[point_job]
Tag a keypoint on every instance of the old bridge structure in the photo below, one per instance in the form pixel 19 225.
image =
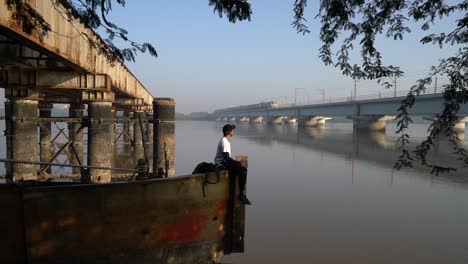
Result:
pixel 66 66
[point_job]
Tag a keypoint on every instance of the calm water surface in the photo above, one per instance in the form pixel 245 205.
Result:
pixel 328 196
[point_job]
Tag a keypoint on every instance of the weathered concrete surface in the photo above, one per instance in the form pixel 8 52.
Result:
pixel 174 220
pixel 164 135
pixel 24 139
pixel 100 140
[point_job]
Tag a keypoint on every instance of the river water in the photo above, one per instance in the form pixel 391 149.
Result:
pixel 331 196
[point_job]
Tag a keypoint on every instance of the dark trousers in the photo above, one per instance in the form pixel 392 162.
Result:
pixel 236 168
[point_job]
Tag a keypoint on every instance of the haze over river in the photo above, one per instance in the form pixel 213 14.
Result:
pixel 328 196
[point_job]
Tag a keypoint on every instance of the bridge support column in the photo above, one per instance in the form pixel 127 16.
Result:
pixel 45 110
pixel 315 121
pixel 244 119
pixel 459 127
pixel 164 137
pixel 371 122
pixel 76 111
pixel 100 140
pixel 275 120
pixel 292 120
pixel 23 138
pixel 258 119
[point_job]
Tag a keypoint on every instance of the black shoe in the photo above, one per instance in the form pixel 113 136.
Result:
pixel 244 200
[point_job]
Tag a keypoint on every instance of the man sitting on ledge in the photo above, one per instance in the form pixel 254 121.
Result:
pixel 223 156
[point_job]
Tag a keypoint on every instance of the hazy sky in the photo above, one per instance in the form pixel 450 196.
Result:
pixel 207 63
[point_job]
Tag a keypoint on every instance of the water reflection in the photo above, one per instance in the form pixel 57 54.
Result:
pixel 370 146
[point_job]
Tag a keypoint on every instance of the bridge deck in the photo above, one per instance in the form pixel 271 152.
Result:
pixel 64 48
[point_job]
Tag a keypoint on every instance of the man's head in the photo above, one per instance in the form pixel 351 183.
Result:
pixel 228 129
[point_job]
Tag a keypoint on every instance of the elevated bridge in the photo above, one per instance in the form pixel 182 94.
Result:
pixel 371 114
pixel 67 66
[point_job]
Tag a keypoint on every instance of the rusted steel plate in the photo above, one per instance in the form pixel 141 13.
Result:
pixel 238 229
pixel 55 80
pixel 68 42
pixel 167 220
pixel 12 248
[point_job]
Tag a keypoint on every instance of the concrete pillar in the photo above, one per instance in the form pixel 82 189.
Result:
pixel 258 119
pixel 459 127
pixel 45 110
pixel 100 140
pixel 371 122
pixel 76 111
pixel 23 139
pixel 292 121
pixel 315 121
pixel 373 125
pixel 164 136
pixel 138 152
pixel 276 120
pixel 244 119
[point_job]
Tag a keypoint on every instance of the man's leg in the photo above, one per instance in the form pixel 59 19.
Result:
pixel 241 172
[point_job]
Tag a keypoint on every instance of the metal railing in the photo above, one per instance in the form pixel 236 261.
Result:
pixel 357 98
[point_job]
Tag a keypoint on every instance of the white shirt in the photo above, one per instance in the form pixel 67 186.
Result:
pixel 223 146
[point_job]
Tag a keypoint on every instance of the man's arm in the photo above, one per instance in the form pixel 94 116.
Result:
pixel 227 158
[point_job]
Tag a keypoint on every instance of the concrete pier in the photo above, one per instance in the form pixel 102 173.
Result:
pixel 24 138
pixel 45 133
pixel 277 120
pixel 164 136
pixel 76 111
pixel 371 122
pixel 100 140
pixel 244 119
pixel 314 121
pixel 258 119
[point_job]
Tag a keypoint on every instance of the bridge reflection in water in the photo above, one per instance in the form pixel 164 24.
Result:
pixel 355 144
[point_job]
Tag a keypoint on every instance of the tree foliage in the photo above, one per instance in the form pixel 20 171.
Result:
pixel 345 25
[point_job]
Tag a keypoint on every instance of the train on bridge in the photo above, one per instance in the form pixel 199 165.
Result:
pixel 262 105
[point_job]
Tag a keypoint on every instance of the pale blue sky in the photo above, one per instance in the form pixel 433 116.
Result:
pixel 206 63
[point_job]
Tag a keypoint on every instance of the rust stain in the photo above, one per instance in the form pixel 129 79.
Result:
pixel 46 248
pixel 186 230
pixel 220 206
pixel 70 220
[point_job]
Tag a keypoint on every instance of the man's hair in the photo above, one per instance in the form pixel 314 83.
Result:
pixel 228 128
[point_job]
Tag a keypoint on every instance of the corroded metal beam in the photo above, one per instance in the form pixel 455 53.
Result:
pixel 15 78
